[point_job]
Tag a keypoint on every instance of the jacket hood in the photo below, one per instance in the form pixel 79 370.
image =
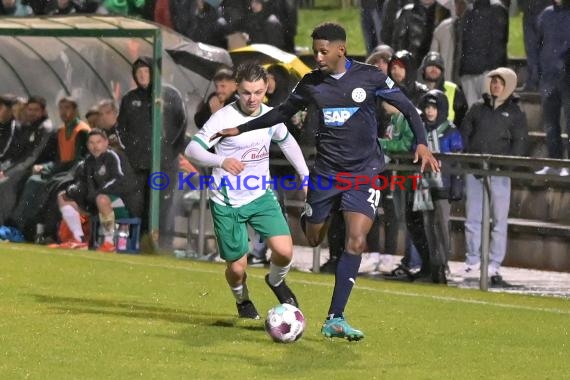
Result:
pixel 143 61
pixel 510 78
pixel 433 58
pixel 404 58
pixel 439 99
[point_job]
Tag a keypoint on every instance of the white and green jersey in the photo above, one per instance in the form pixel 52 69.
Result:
pixel 251 148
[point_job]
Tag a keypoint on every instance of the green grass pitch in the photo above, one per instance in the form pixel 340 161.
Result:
pixel 85 315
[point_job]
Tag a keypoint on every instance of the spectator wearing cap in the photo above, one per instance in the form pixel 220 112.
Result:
pixel 493 125
pixel 224 93
pixel 432 71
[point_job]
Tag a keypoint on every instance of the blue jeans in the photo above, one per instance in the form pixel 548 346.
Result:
pixel 500 195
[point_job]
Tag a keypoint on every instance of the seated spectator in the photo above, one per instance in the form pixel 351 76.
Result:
pixel 7 124
pixel 14 8
pixel 64 7
pixel 92 117
pixel 32 144
pixel 224 94
pixel 48 177
pixel 109 115
pixel 104 185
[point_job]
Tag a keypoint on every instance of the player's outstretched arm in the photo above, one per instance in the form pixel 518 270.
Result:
pixel 277 115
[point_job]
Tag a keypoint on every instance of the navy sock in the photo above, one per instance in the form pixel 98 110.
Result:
pixel 345 277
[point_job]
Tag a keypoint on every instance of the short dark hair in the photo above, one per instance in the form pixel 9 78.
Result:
pixel 37 100
pixel 97 132
pixel 68 99
pixel 250 72
pixel 329 31
pixel 223 74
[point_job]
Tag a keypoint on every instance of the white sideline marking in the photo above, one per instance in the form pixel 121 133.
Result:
pixel 329 285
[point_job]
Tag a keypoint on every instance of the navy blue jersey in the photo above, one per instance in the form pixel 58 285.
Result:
pixel 347 133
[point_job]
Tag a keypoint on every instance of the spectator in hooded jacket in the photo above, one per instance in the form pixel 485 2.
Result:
pixel 484 38
pixel 494 125
pixel 403 71
pixel 433 75
pixel 444 187
pixel 135 128
pixel 554 37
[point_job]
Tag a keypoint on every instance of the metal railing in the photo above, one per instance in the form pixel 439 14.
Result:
pixel 519 168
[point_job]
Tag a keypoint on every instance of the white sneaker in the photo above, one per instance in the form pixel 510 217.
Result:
pixel 370 262
pixel 544 171
pixel 564 172
pixel 471 271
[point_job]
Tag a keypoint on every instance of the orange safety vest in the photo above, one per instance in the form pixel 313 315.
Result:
pixel 66 145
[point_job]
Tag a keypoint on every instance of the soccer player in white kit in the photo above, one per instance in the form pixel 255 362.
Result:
pixel 240 188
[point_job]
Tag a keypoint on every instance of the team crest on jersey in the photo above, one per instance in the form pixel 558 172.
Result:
pixel 358 95
pixel 336 117
pixel 102 170
pixel 255 154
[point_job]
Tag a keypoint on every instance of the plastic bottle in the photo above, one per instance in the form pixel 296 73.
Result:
pixel 122 237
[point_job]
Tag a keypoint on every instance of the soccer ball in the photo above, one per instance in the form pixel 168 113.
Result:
pixel 285 323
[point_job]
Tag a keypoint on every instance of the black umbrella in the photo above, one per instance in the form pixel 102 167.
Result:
pixel 200 58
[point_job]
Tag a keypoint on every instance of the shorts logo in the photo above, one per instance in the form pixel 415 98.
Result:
pixel 308 210
pixel 358 95
pixel 336 117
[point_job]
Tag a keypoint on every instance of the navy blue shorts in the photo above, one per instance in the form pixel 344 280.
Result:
pixel 346 194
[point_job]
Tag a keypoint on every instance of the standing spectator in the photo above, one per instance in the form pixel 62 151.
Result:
pixel 135 129
pixel 485 33
pixel 494 125
pixel 262 26
pixel 8 124
pixel 287 13
pixel 389 14
pixel 206 25
pixel 433 75
pixel 414 25
pixel 531 11
pixel 371 22
pixel 446 40
pixel 224 93
pixel 554 37
pixel 444 187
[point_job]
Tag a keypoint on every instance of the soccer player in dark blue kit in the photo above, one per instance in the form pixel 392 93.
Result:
pixel 345 93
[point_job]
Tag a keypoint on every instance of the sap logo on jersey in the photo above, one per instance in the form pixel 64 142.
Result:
pixel 336 117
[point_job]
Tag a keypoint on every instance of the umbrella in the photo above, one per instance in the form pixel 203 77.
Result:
pixel 267 55
pixel 202 59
